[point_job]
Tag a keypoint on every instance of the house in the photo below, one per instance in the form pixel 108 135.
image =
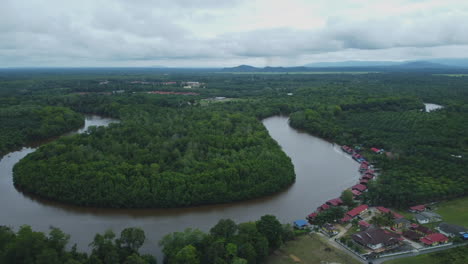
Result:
pixel 358 210
pixel 421 219
pixel 329 229
pixel 401 223
pixel 359 187
pixel 376 150
pixel 412 235
pixel 356 193
pixel 376 238
pixel 312 216
pixel 300 224
pixel 364 167
pixel 335 202
pixel 364 225
pixel 368 176
pixel 427 217
pixel 345 219
pixel 397 216
pixel 451 230
pixel 417 208
pixel 323 207
pixel 433 217
pixel 347 149
pixel 434 239
pixel 363 181
pixel 421 229
pixel 383 209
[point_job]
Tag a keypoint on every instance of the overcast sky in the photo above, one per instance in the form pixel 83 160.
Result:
pixel 204 33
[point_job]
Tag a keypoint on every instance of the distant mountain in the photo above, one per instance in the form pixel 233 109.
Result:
pixel 242 68
pixel 248 68
pixel 423 65
pixel 427 64
pixel 452 62
pixel 352 64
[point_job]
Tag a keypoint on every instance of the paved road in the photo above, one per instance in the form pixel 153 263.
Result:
pixel 382 260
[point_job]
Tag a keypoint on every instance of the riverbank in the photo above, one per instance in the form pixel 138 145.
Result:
pixel 321 170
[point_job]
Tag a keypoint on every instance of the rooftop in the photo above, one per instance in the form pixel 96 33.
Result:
pixel 357 210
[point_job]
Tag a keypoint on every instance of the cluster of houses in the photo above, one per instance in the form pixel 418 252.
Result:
pixel 380 239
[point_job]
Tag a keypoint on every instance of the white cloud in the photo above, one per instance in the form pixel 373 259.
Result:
pixel 222 33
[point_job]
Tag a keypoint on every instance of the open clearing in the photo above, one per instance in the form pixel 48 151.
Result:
pixel 310 250
pixel 454 211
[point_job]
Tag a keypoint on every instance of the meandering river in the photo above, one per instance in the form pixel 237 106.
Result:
pixel 323 171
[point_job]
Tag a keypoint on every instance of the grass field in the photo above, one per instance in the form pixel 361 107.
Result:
pixel 309 249
pixel 454 211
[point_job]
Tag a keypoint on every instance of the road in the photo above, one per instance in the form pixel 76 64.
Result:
pixel 382 260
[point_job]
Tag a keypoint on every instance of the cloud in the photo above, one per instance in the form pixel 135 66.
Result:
pixel 180 32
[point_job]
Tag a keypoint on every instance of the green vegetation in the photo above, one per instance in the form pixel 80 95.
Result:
pixel 309 249
pixel 22 124
pixel 160 157
pixel 457 255
pixel 176 150
pixel 454 211
pixel 30 247
pixel 227 242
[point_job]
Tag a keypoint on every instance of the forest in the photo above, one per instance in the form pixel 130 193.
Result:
pixel 160 157
pixel 225 243
pixel 218 149
pixel 27 246
pixel 23 124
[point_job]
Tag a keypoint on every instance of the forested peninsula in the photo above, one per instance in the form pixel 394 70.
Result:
pixel 159 156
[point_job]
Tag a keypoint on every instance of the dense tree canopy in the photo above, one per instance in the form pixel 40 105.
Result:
pixel 22 124
pixel 227 242
pixel 30 247
pixel 160 157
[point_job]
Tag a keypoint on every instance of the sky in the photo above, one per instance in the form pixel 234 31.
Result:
pixel 225 33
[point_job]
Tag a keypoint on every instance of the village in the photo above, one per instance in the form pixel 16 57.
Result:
pixel 371 232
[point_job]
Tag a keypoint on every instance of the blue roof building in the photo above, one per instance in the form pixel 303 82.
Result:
pixel 300 224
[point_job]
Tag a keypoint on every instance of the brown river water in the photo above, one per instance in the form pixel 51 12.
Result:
pixel 323 171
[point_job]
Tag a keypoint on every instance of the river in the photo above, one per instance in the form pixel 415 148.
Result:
pixel 323 171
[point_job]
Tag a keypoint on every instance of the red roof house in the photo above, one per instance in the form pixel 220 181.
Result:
pixel 345 219
pixel 397 216
pixel 383 209
pixel 364 224
pixel 335 202
pixel 363 181
pixel 368 176
pixel 418 208
pixel 324 207
pixel 358 210
pixel 359 187
pixel 312 216
pixel 376 150
pixel 356 193
pixel 434 239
